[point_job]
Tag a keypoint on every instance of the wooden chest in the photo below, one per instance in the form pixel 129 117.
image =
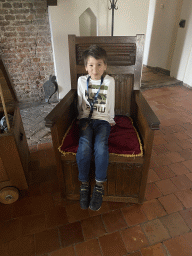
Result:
pixel 14 152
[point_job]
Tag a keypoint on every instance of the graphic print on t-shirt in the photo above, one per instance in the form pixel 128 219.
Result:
pixel 100 103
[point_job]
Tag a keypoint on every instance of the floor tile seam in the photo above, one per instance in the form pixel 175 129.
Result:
pixel 188 180
pixel 59 238
pixel 178 236
pixel 162 192
pixel 100 247
pixel 137 225
pixel 115 210
pixel 180 200
pixel 75 244
pixel 164 207
pixel 106 233
pixel 167 228
pixel 83 233
pixel 120 233
pixel 161 241
pixel 190 228
pixel 74 247
pixel 35 244
pixel 128 226
pixel 166 249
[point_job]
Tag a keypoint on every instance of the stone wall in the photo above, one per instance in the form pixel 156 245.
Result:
pixel 26 46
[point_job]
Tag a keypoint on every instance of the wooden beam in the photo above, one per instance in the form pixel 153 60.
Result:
pixel 51 2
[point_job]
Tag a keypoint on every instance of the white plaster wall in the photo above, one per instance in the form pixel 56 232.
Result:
pixel 130 19
pixel 151 15
pixel 88 23
pixel 163 27
pixel 182 60
pixel 188 72
pixel 64 20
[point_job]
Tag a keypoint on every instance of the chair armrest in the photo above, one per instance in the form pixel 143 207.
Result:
pixel 147 112
pixel 65 107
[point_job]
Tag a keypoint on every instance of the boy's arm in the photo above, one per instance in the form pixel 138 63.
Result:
pixel 112 101
pixel 79 96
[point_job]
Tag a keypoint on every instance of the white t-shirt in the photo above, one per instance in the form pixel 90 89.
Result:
pixel 105 103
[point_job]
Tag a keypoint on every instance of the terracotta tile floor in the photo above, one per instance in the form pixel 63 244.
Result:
pixel 42 223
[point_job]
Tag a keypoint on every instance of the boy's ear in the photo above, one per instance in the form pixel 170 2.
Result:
pixel 86 67
pixel 105 66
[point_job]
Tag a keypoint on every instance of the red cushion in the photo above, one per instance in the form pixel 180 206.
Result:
pixel 123 140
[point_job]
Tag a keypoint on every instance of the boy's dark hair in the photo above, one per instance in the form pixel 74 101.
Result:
pixel 96 52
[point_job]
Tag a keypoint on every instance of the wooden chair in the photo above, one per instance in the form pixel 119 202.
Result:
pixel 127 176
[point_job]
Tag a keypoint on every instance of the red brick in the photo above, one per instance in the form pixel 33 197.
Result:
pixel 7 5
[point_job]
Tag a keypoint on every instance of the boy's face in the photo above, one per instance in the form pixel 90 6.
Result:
pixel 95 68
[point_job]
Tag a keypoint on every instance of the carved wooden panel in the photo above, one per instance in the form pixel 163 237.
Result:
pixel 118 54
pixel 3 173
pixel 123 92
pixel 52 2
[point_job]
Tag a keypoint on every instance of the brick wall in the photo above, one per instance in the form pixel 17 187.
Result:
pixel 26 46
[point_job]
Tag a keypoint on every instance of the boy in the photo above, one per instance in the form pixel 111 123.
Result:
pixel 96 97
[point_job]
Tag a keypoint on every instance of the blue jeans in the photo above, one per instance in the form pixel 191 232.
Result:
pixel 93 137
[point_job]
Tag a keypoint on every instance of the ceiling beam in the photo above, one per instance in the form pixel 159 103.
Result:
pixel 51 2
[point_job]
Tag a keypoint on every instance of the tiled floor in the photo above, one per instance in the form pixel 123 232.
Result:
pixel 42 223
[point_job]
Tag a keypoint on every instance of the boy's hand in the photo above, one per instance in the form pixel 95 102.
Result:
pixel 112 124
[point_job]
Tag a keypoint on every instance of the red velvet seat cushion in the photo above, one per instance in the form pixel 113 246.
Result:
pixel 123 140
